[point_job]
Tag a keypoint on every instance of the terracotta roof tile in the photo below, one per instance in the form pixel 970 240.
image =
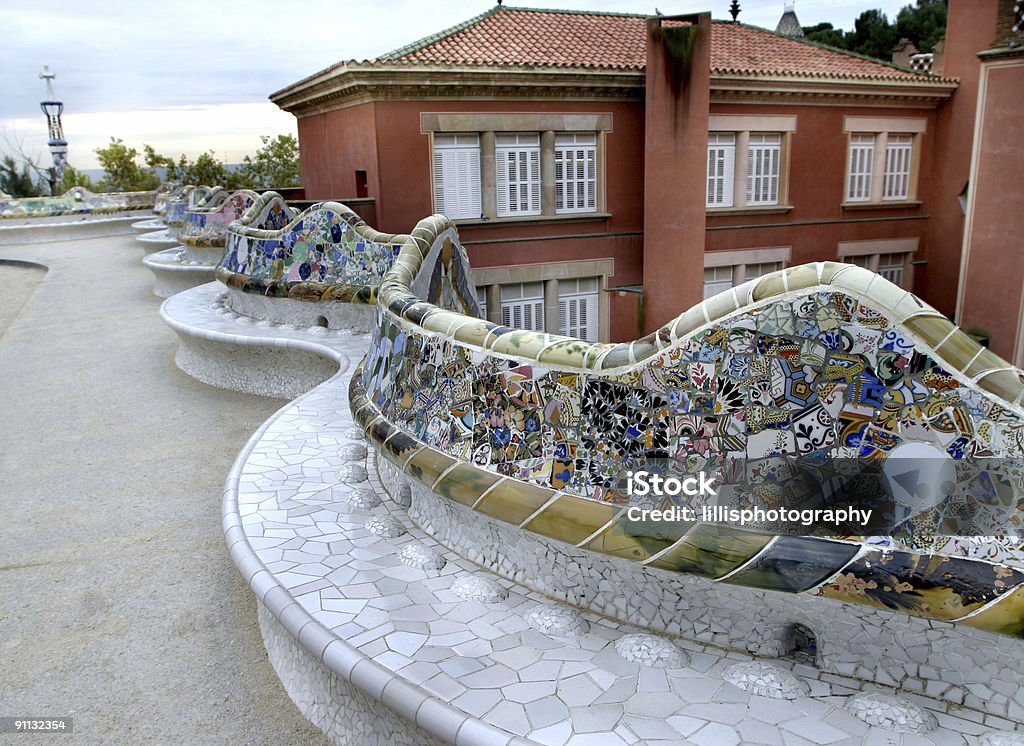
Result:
pixel 533 37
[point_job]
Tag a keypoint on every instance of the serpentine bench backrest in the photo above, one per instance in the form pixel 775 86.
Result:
pixel 207 225
pixel 325 253
pixel 166 190
pixel 75 201
pixel 819 362
pixel 191 197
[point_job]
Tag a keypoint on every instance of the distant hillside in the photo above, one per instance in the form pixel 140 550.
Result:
pixel 96 174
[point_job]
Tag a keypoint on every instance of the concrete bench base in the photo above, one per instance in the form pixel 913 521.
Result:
pixel 152 224
pixel 223 349
pixel 174 273
pixel 156 239
pixel 355 318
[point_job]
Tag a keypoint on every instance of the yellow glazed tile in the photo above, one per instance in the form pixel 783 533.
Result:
pixel 572 519
pixel 513 501
pixel 712 551
pixel 465 483
pixel 1004 617
pixel 427 465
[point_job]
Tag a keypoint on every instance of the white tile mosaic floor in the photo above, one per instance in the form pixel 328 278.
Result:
pixel 346 592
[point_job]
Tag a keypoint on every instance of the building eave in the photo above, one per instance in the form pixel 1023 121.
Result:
pixel 349 84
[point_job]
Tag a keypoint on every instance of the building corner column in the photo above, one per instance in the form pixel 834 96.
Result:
pixel 676 118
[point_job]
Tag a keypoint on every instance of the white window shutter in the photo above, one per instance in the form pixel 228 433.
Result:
pixel 862 153
pixel 518 179
pixel 897 167
pixel 721 164
pixel 502 180
pixel 457 176
pixel 763 158
pixel 439 182
pixel 576 178
pixel 535 181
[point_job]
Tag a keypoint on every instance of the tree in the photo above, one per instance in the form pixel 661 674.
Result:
pixel 873 35
pixel 72 177
pixel 923 23
pixel 124 174
pixel 17 180
pixel 825 33
pixel 276 164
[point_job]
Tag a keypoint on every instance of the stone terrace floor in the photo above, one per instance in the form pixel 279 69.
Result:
pixel 121 607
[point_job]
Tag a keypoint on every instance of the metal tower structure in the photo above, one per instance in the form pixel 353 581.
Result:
pixel 53 108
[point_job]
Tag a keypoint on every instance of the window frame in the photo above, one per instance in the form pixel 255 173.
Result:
pixel 517 169
pixel 737 262
pixel 895 142
pixel 870 254
pixel 750 133
pixel 587 145
pixel 586 130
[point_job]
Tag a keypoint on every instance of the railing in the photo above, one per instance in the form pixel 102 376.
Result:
pixel 811 367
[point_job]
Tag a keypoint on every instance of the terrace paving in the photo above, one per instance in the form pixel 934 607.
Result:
pixel 121 607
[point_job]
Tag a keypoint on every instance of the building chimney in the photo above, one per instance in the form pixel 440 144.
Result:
pixel 938 56
pixel 902 52
pixel 676 112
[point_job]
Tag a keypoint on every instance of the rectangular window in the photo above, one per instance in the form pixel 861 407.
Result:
pixel 575 172
pixel 577 308
pixel 522 306
pixel 721 161
pixel 763 158
pixel 481 299
pixel 517 159
pixel 862 153
pixel 753 271
pixel 890 266
pixel 897 167
pixel 457 175
pixel 717 280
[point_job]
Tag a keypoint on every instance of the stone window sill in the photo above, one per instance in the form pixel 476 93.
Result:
pixel 569 217
pixel 749 210
pixel 894 205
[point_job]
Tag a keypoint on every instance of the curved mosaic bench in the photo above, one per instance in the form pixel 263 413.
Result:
pixel 382 635
pixel 75 201
pixel 510 439
pixel 182 199
pixel 166 191
pixel 78 213
pixel 202 239
pixel 322 266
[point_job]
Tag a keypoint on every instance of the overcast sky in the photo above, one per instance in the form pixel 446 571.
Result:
pixel 187 77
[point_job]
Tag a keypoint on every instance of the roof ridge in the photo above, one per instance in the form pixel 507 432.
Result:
pixel 426 41
pixel 578 12
pixel 830 48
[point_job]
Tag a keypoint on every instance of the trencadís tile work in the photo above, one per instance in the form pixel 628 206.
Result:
pixel 277 265
pixel 202 238
pixel 75 201
pixel 499 593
